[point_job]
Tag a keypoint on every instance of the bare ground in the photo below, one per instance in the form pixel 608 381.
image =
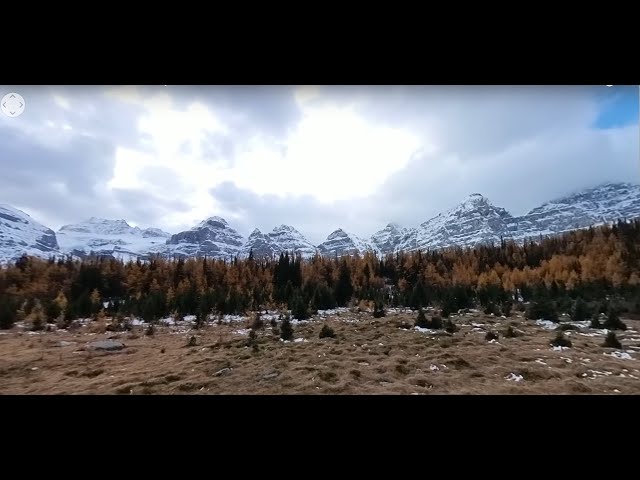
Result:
pixel 368 356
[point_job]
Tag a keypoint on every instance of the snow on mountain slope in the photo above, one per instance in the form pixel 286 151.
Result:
pixel 114 238
pixel 340 242
pixel 282 239
pixel 476 220
pixel 261 246
pixel 602 204
pixel 212 237
pixel 20 234
pixel 289 239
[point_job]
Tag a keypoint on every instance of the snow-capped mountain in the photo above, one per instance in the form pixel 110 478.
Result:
pixel 116 238
pixel 340 243
pixel 288 239
pixel 20 234
pixel 602 204
pixel 476 220
pixel 282 239
pixel 212 237
pixel 390 237
pixel 260 244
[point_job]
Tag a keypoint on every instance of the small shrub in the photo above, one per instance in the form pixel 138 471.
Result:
pixel 422 321
pixel 286 330
pixel 490 308
pixel 450 327
pixel 162 350
pixel 378 310
pixel 150 331
pixel 253 341
pixel 580 312
pixel 506 309
pixel 199 321
pixel 510 332
pixel 561 341
pixel 566 326
pixel 595 321
pixel 299 308
pixel 273 322
pixel 613 321
pixel 436 323
pixel 520 307
pixel 543 309
pixel 491 336
pixel 257 322
pixel 7 315
pixel 192 341
pixel 275 331
pixel 611 341
pixel 327 332
pixel 445 312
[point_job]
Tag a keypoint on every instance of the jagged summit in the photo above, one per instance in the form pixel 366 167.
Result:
pixel 215 222
pixel 20 234
pixel 473 221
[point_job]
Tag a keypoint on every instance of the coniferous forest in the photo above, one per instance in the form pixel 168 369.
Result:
pixel 569 273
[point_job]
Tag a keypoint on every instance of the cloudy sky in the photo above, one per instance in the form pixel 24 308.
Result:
pixel 317 158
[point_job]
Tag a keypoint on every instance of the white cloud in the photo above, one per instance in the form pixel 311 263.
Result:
pixel 366 155
pixel 62 102
pixel 332 154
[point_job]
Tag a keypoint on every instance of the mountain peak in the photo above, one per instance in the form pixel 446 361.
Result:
pixel 284 228
pixel 475 198
pixel 256 231
pixel 215 221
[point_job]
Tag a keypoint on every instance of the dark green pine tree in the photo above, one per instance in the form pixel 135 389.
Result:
pixel 580 312
pixel 344 289
pixel 7 314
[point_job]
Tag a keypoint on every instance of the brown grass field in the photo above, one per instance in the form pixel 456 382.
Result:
pixel 367 356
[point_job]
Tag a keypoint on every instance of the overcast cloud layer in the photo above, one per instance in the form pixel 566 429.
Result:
pixel 317 158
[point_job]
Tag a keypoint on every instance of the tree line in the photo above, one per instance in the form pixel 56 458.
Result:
pixel 594 265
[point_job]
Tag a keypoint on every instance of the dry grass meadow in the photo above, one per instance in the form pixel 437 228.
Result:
pixel 367 356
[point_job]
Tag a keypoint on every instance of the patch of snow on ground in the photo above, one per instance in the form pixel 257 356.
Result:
pixel 620 355
pixel 559 349
pixel 546 324
pixel 243 331
pixel 540 361
pixel 300 340
pixel 433 368
pixel 299 322
pixel 583 324
pixel 332 311
pixel 512 377
pixel 424 330
pixel 477 324
pixel 189 318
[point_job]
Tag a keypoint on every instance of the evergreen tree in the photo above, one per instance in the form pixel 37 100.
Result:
pixel 7 315
pixel 344 289
pixel 613 321
pixel 299 308
pixel 580 312
pixel 422 321
pixel 286 329
pixel 611 341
